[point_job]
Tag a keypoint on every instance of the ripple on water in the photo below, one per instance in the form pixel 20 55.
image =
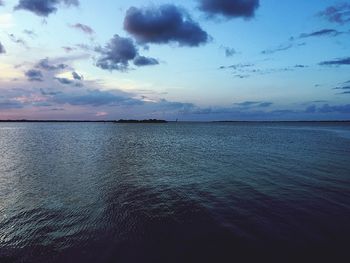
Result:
pixel 173 193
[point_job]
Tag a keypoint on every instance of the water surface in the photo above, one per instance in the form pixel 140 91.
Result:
pixel 177 192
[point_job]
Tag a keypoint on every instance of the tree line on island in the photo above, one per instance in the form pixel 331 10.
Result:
pixel 142 121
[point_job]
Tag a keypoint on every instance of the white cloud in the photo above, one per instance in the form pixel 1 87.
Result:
pixel 6 21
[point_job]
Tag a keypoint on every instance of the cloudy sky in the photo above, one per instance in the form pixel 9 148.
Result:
pixel 193 60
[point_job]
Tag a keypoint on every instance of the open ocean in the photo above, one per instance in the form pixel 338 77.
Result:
pixel 176 192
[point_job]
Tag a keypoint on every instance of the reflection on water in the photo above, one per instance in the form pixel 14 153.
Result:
pixel 173 192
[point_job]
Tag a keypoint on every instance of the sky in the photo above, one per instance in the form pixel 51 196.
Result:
pixel 195 60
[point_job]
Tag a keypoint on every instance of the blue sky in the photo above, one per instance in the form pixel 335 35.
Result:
pixel 195 60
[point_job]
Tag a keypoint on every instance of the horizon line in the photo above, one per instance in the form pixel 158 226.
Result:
pixel 173 121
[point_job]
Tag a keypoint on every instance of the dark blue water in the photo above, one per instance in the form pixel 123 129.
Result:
pixel 205 192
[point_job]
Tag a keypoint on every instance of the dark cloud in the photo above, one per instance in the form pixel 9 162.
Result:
pixel 30 33
pixel 17 40
pixel 6 104
pixel 243 113
pixel 282 47
pixel 311 112
pixel 68 49
pixel 246 103
pixel 272 70
pixel 242 70
pixel 343 88
pixel 346 87
pixel 323 32
pixel 254 104
pixel 164 24
pixel 277 49
pixel 293 41
pixel 65 81
pixel 83 28
pixel 339 13
pixel 326 108
pixel 34 75
pixel 41 104
pixel 265 104
pixel 94 98
pixel 229 51
pixel 44 7
pixel 117 54
pixel 49 93
pixel 311 109
pixel 229 8
pixel 336 62
pixel 241 76
pixel 45 64
pixel 182 107
pixel 76 76
pixel 300 66
pixel 319 101
pixel 2 3
pixel 2 49
pixel 85 47
pixel 237 66
pixel 145 61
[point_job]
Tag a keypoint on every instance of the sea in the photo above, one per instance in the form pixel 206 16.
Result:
pixel 175 192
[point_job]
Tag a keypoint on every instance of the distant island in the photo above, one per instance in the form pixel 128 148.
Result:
pixel 142 121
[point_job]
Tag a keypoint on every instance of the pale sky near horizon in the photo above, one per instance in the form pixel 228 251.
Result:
pixel 193 60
